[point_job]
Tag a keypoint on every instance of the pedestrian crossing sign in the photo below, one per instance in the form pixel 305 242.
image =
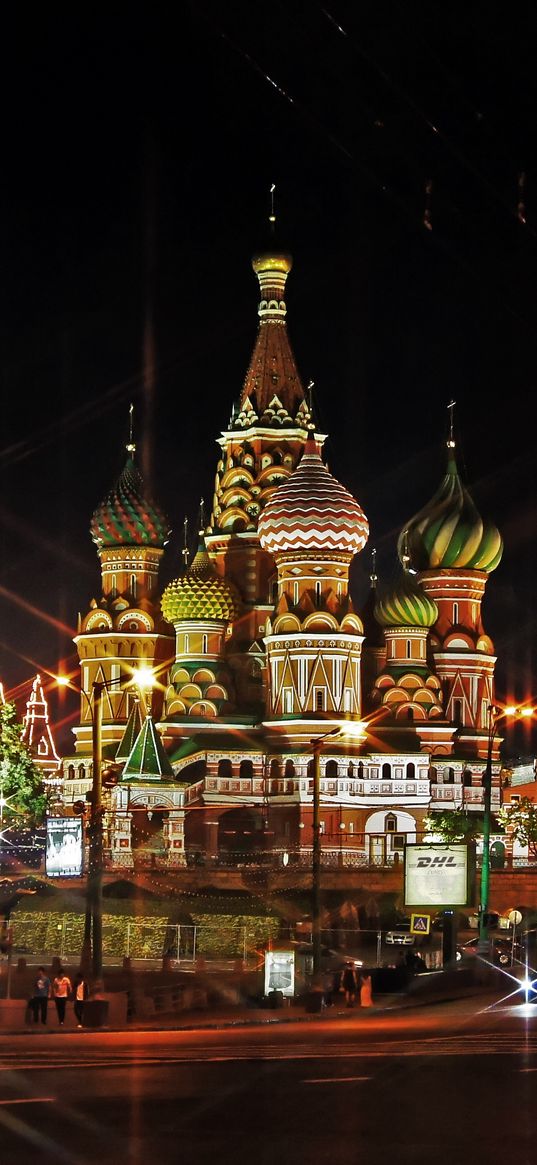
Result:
pixel 420 923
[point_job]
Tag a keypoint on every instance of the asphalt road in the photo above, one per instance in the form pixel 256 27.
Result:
pixel 452 1083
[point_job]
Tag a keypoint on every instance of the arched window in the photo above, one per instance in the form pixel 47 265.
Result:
pixel 113 585
pixel 319 699
pixel 81 772
pixel 350 769
pixel 246 770
pixel 203 709
pixel 331 768
pixel 457 711
pixel 275 769
pixel 289 769
pixel 225 768
pixel 70 772
pixel 204 642
pixel 360 773
pixel 467 778
pixel 386 771
pixel 455 612
pixel 409 648
pixel 133 585
pixel 449 776
pixel 435 777
pixel 411 771
pixel 318 593
pixel 390 823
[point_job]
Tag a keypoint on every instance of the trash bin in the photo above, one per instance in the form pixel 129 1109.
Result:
pixel 275 998
pixel 95 1013
pixel 314 1001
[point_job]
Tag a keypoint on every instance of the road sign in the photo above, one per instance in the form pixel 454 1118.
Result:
pixel 420 923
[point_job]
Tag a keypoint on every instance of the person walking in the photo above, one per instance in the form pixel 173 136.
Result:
pixel 41 995
pixel 350 984
pixel 61 990
pixel 81 992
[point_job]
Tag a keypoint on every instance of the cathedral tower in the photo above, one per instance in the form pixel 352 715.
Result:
pixel 454 551
pixel 123 628
pixel 313 527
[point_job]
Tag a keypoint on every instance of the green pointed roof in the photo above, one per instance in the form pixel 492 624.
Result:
pixel 148 760
pixel 132 730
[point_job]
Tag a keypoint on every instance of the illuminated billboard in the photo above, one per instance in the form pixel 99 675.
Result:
pixel 437 875
pixel 64 847
pixel 280 972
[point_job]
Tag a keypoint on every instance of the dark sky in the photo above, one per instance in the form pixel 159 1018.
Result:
pixel 137 157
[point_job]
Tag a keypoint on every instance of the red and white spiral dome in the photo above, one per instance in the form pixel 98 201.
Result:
pixel 312 511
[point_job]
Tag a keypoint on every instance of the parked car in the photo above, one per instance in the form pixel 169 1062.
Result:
pixel 500 950
pixel 399 935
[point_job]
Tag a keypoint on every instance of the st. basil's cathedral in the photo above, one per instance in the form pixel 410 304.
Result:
pixel 258 650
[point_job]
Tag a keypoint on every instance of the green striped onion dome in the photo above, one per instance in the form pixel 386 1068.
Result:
pixel 200 593
pixel 126 517
pixel 406 605
pixel 449 532
pixel 312 511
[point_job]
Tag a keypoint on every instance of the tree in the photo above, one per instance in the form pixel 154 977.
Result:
pixel 455 825
pixel 21 786
pixel 520 819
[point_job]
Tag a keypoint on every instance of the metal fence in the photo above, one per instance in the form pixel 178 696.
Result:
pixel 150 939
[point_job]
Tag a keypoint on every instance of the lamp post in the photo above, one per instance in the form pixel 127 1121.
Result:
pixel 92 947
pixel 351 728
pixel 495 714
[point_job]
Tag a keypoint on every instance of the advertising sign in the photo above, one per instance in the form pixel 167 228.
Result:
pixel 64 847
pixel 436 875
pixel 280 972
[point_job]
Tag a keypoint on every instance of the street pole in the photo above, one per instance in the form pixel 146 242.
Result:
pixel 484 941
pixel 316 859
pixel 95 880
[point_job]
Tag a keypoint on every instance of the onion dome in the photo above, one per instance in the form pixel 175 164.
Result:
pixel 449 532
pixel 312 511
pixel 406 605
pixel 200 593
pixel 127 517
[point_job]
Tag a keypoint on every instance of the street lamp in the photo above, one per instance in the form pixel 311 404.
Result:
pixel 495 714
pixel 355 729
pixel 92 947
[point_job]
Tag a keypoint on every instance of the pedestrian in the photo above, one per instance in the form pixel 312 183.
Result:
pixel 80 992
pixel 61 990
pixel 366 997
pixel 350 984
pixel 41 995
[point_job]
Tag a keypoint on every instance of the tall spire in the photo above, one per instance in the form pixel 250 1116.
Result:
pixel 272 371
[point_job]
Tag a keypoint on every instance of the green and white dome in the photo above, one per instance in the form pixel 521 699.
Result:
pixel 449 532
pixel 406 605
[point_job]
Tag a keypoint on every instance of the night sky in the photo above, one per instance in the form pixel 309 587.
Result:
pixel 137 156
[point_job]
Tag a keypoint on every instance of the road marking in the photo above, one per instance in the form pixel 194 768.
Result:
pixel 335 1079
pixel 31 1100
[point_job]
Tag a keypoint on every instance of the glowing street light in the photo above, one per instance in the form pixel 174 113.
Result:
pixel 357 730
pixel 495 715
pixel 143 677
